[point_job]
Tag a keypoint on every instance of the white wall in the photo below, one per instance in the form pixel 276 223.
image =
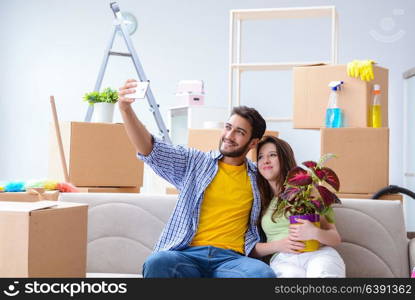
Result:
pixel 55 47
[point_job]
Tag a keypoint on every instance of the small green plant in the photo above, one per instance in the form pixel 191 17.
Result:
pixel 108 95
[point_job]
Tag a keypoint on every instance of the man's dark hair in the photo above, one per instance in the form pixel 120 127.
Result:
pixel 254 118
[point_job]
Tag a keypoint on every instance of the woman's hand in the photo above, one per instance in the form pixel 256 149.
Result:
pixel 304 231
pixel 286 245
pixel 289 245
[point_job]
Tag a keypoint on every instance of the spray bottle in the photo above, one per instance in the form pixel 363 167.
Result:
pixel 375 110
pixel 333 113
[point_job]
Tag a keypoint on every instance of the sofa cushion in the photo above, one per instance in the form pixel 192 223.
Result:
pixel 374 242
pixel 122 228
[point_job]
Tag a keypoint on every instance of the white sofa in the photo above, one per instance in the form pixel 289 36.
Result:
pixel 122 229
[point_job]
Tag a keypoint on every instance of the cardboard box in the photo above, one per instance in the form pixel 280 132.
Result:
pixel 362 164
pixel 369 196
pixel 208 139
pixel 311 95
pixel 54 195
pixel 204 139
pixel 190 92
pixel 109 189
pixel 97 154
pixel 43 239
pixel 29 197
pixel 252 154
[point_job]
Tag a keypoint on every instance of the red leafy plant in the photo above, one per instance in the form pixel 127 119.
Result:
pixel 309 191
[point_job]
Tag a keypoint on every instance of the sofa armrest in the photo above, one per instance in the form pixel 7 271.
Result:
pixel 412 253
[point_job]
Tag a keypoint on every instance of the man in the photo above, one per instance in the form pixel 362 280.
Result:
pixel 212 229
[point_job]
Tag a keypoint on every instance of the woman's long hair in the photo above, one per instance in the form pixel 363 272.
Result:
pixel 287 162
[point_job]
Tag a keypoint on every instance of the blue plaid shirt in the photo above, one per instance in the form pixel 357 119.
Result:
pixel 191 171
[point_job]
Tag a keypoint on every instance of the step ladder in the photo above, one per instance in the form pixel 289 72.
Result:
pixel 119 26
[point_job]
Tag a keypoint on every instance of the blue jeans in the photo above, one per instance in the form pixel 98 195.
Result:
pixel 204 261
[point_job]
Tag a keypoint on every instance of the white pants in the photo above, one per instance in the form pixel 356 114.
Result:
pixel 325 262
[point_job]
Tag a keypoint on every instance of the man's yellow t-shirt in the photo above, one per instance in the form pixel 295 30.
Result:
pixel 225 210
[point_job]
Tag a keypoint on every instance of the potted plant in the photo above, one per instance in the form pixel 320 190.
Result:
pixel 104 103
pixel 309 194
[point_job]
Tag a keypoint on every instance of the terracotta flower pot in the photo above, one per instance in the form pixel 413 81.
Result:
pixel 310 245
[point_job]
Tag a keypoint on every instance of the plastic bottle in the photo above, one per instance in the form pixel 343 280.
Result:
pixel 334 117
pixel 376 110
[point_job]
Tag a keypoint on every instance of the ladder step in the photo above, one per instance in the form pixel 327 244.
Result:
pixel 120 53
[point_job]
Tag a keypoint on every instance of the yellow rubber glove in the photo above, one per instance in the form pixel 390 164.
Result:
pixel 353 68
pixel 362 69
pixel 367 71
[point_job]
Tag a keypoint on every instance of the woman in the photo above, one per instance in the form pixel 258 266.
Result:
pixel 275 158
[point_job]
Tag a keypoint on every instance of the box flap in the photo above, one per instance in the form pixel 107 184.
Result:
pixel 26 206
pixel 315 64
pixel 63 204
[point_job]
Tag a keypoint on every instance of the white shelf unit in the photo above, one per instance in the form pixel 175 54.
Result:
pixel 236 67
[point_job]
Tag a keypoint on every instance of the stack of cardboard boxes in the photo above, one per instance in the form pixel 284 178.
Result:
pixel 49 238
pixel 363 152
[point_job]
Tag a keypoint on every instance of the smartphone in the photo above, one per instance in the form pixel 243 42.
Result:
pixel 140 90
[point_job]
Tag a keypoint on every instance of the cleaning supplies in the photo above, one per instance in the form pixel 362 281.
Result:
pixel 375 109
pixel 334 117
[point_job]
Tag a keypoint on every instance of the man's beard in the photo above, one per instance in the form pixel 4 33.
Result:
pixel 235 153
